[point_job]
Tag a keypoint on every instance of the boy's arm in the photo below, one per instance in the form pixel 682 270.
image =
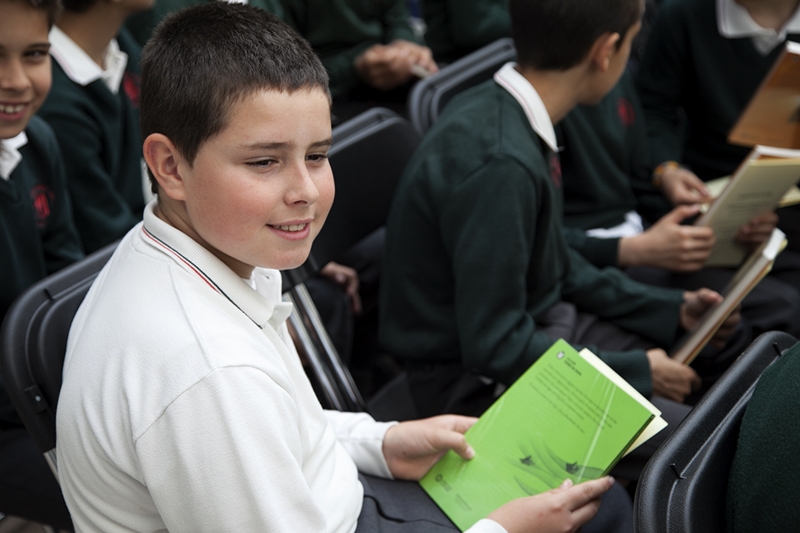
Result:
pixel 599 252
pixel 489 230
pixel 225 456
pixel 661 85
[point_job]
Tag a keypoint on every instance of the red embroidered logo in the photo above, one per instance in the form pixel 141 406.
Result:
pixel 41 197
pixel 555 170
pixel 626 113
pixel 130 84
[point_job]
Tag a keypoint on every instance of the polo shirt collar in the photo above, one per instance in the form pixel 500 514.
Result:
pixel 734 21
pixel 262 306
pixel 80 68
pixel 10 156
pixel 523 92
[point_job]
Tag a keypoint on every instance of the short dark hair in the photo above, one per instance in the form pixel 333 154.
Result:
pixel 557 34
pixel 203 59
pixel 51 7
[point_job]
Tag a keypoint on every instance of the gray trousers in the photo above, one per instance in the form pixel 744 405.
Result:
pixel 392 506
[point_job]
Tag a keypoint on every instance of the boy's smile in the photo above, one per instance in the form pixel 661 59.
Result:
pixel 24 65
pixel 258 192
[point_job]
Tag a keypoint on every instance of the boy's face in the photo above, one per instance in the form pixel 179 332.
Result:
pixel 24 65
pixel 258 193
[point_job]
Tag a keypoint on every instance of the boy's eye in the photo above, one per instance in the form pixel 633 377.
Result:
pixel 262 163
pixel 36 53
pixel 316 158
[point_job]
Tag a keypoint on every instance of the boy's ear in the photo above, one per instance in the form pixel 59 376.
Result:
pixel 164 162
pixel 603 50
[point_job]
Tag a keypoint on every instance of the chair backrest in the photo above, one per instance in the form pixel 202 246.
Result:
pixel 368 156
pixel 428 97
pixel 684 485
pixel 33 342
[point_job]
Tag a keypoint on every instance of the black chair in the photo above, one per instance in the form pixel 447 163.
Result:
pixel 368 157
pixel 684 485
pixel 33 342
pixel 428 97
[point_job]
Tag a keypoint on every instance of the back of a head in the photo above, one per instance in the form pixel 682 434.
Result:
pixel 558 34
pixel 202 60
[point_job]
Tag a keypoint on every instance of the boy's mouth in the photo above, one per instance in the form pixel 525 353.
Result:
pixel 11 109
pixel 292 227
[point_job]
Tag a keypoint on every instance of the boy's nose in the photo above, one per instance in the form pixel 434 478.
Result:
pixel 302 187
pixel 13 76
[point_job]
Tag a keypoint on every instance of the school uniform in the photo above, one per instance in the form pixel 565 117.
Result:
pixel 457 27
pixel 706 59
pixel 476 262
pixel 95 116
pixel 37 238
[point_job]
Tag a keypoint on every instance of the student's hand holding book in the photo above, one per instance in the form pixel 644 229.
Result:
pixel 564 509
pixel 680 185
pixel 669 244
pixel 671 379
pixel 758 229
pixel 696 303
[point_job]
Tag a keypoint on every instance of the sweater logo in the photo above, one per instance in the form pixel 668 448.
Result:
pixel 130 84
pixel 626 113
pixel 41 197
pixel 555 170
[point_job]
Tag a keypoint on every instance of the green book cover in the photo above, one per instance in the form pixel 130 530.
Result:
pixel 563 418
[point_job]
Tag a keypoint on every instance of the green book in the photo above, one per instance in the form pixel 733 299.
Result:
pixel 568 416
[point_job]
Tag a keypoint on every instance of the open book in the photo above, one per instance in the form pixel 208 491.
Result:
pixel 568 416
pixel 749 274
pixel 772 117
pixel 758 185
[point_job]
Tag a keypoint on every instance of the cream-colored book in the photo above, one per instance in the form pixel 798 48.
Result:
pixel 757 186
pixel 747 277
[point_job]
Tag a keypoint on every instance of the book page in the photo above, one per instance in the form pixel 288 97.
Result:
pixel 561 419
pixel 757 187
pixel 715 188
pixel 773 115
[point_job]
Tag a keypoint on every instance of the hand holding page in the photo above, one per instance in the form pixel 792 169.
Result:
pixel 568 416
pixel 749 274
pixel 757 186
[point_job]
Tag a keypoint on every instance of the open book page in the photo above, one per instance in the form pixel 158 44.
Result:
pixel 772 117
pixel 757 186
pixel 715 188
pixel 563 418
pixel 746 278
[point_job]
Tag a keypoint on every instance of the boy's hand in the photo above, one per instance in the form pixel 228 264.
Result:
pixel 347 279
pixel 671 379
pixel 564 509
pixel 682 186
pixel 411 448
pixel 388 66
pixel 695 303
pixel 758 229
pixel 668 244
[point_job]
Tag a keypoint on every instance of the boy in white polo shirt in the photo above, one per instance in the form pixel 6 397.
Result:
pixel 184 405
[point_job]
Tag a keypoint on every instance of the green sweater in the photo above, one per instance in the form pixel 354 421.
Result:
pixel 475 252
pixel 37 236
pixel 99 136
pixel 764 483
pixel 606 171
pixel 689 68
pixel 458 27
pixel 340 30
pixel 141 25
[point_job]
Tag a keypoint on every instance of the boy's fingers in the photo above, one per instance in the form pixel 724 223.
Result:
pixel 585 513
pixel 445 439
pixel 582 494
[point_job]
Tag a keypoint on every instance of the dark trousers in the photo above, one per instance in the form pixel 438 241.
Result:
pixel 392 506
pixel 28 488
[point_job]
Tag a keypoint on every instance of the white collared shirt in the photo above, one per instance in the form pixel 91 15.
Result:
pixel 734 21
pixel 80 68
pixel 523 92
pixel 9 154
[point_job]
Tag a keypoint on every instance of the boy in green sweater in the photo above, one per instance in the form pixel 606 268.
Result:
pixel 704 61
pixel 479 279
pixel 37 236
pixel 93 109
